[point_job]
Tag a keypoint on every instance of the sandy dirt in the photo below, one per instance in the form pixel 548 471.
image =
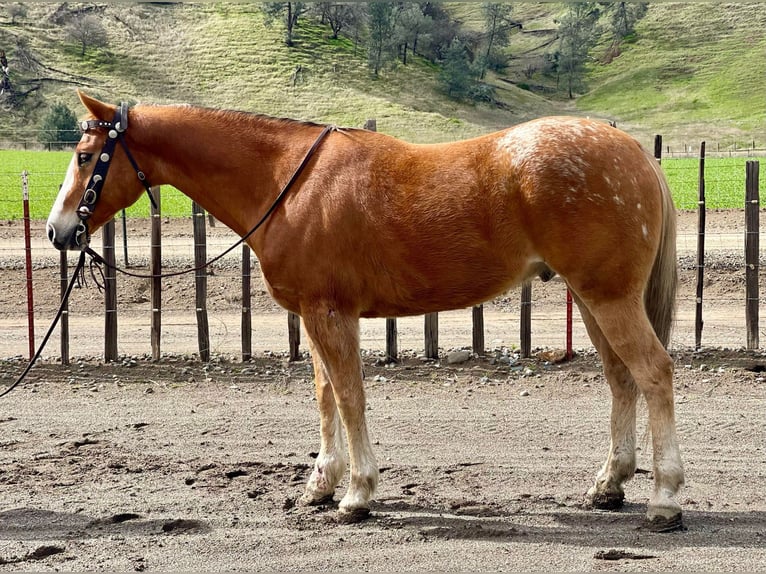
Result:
pixel 178 465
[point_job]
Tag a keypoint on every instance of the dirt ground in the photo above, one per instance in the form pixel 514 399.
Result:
pixel 178 465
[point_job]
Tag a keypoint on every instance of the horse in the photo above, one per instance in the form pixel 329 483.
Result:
pixel 353 223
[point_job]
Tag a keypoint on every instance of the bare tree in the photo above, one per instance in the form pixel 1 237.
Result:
pixel 340 15
pixel 88 31
pixel 288 12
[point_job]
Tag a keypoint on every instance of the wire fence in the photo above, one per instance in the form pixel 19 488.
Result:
pixel 724 301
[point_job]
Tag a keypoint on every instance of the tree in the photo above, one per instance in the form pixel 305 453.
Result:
pixel 380 22
pixel 622 21
pixel 457 75
pixel 497 27
pixel 88 31
pixel 289 12
pixel 413 26
pixel 623 17
pixel 60 125
pixel 578 33
pixel 339 15
pixel 17 10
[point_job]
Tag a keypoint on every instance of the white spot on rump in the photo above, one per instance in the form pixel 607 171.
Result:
pixel 645 230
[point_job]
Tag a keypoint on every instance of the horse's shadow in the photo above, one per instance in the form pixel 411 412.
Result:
pixel 574 526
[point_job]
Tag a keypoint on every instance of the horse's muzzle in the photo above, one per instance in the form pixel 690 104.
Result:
pixel 71 239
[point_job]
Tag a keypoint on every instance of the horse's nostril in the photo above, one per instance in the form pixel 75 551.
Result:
pixel 51 233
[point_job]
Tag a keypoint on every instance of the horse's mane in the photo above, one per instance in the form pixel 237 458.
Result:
pixel 230 116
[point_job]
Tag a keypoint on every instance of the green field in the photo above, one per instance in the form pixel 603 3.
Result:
pixel 724 184
pixel 46 172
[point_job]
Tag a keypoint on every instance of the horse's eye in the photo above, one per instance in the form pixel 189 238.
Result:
pixel 83 158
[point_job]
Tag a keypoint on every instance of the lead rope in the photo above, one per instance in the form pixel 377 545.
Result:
pixel 95 257
pixel 75 278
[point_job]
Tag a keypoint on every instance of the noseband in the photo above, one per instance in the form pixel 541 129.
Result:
pixel 117 128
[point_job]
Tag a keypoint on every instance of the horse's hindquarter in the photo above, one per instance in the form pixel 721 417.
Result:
pixel 389 228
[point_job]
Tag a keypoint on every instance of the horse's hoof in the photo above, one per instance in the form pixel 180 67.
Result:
pixel 312 500
pixel 352 516
pixel 659 523
pixel 606 500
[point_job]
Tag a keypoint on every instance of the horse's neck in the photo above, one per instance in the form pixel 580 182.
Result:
pixel 233 166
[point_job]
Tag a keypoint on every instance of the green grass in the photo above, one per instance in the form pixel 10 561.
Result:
pixel 724 184
pixel 46 171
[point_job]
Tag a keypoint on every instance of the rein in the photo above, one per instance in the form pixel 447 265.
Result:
pixel 93 191
pixel 75 276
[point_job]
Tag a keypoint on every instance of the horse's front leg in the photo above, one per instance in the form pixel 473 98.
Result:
pixel 331 461
pixel 335 339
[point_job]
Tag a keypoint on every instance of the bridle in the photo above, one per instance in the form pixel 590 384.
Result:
pixel 117 128
pixel 90 196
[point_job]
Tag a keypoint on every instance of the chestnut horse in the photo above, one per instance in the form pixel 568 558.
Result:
pixel 376 227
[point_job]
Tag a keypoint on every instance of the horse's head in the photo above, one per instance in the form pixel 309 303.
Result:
pixel 88 198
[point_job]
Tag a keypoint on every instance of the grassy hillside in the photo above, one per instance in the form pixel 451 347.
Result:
pixel 695 71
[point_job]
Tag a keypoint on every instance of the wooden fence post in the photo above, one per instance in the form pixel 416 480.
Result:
pixel 698 322
pixel 658 147
pixel 124 218
pixel 478 329
pixel 392 344
pixel 294 335
pixel 110 293
pixel 200 281
pixel 752 203
pixel 432 335
pixel 247 317
pixel 64 282
pixel 156 271
pixel 526 319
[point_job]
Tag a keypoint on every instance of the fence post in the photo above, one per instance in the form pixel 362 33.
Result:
pixel 125 238
pixel 110 293
pixel 200 281
pixel 392 344
pixel 478 329
pixel 28 263
pixel 698 322
pixel 526 319
pixel 156 272
pixel 64 281
pixel 247 317
pixel 294 335
pixel 569 351
pixel 432 335
pixel 658 147
pixel 752 203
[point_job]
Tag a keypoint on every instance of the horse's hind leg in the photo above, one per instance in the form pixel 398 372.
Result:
pixel 607 493
pixel 625 326
pixel 336 341
pixel 331 461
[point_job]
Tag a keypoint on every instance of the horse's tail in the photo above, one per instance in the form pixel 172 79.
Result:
pixel 660 296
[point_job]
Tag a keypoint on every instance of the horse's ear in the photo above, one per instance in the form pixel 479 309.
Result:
pixel 99 109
